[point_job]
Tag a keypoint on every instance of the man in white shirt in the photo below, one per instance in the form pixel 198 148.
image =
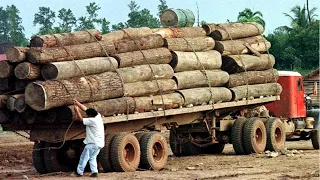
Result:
pixel 94 138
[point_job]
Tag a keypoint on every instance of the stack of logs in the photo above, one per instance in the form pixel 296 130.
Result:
pixel 134 70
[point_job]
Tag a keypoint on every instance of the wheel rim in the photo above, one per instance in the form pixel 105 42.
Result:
pixel 129 153
pixel 258 136
pixel 157 151
pixel 278 135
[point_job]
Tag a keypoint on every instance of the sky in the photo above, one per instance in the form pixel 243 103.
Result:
pixel 213 11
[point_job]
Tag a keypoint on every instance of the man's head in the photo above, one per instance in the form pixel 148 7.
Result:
pixel 91 112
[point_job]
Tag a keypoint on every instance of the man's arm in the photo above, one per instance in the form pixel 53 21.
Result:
pixel 78 114
pixel 81 106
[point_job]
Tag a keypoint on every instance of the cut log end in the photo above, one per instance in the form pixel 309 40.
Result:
pixel 20 104
pixel 49 71
pixel 35 96
pixel 33 55
pixel 209 28
pixel 174 61
pixel 6 69
pixel 36 41
pixel 15 54
pixel 22 71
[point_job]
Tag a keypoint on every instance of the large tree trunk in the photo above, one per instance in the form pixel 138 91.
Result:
pixel 150 56
pixel 143 43
pixel 240 63
pixel 199 96
pixel 6 69
pixel 253 77
pixel 27 71
pixel 69 69
pixel 11 100
pixel 144 88
pixel 236 30
pixel 129 33
pixel 193 79
pixel 145 73
pixel 3 101
pixel 20 84
pixel 69 53
pixel 66 39
pixel 184 32
pixel 190 44
pixel 253 91
pixel 188 61
pixel 4 117
pixel 105 108
pixel 7 84
pixel 239 46
pixel 48 94
pixel 166 101
pixel 16 54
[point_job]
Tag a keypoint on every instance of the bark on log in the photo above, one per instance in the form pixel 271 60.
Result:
pixel 11 100
pixel 257 90
pixel 20 104
pixel 193 79
pixel 20 84
pixel 188 61
pixel 3 101
pixel 16 54
pixel 27 71
pixel 238 63
pixel 128 33
pixel 170 101
pixel 253 77
pixel 209 28
pixel 69 53
pixel 6 69
pixel 7 84
pixel 199 96
pixel 4 117
pixel 237 30
pixel 185 32
pixel 69 69
pixel 238 46
pixel 143 43
pixel 150 56
pixel 190 44
pixel 144 88
pixel 66 39
pixel 145 73
pixel 49 94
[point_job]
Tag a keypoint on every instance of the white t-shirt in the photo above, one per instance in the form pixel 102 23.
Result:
pixel 94 130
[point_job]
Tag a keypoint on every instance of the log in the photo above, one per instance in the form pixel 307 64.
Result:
pixel 16 54
pixel 69 53
pixel 188 61
pixel 18 119
pixel 48 94
pixel 129 33
pixel 239 63
pixel 185 32
pixel 29 115
pixel 145 72
pixel 209 28
pixel 193 79
pixel 189 44
pixel 11 100
pixel 20 104
pixel 257 90
pixel 144 88
pixel 7 84
pixel 253 77
pixel 46 117
pixel 27 71
pixel 237 30
pixel 239 46
pixel 150 56
pixel 143 43
pixel 200 96
pixel 66 39
pixel 69 69
pixel 20 84
pixel 6 69
pixel 170 101
pixel 4 117
pixel 3 101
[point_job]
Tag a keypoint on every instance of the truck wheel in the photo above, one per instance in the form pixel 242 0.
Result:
pixel 315 139
pixel 177 148
pixel 104 155
pixel 237 135
pixel 154 151
pixel 139 135
pixel 38 157
pixel 214 149
pixel 276 135
pixel 53 159
pixel 125 153
pixel 254 136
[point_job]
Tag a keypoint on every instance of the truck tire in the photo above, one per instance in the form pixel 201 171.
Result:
pixel 315 139
pixel 104 154
pixel 154 151
pixel 276 134
pixel 125 153
pixel 38 157
pixel 178 149
pixel 254 136
pixel 237 135
pixel 53 159
pixel 214 149
pixel 139 135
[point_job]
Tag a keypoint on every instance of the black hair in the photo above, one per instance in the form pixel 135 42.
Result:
pixel 91 112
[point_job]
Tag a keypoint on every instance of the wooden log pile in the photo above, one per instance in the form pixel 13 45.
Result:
pixel 134 70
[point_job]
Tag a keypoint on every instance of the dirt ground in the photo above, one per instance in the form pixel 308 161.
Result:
pixel 16 163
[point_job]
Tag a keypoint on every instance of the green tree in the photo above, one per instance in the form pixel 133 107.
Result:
pixel 300 17
pixel 162 7
pixel 67 20
pixel 45 18
pixel 105 26
pixel 91 19
pixel 248 16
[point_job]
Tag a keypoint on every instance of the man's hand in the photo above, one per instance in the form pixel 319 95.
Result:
pixel 75 102
pixel 78 114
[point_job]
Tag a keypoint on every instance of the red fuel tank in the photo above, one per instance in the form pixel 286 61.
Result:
pixel 291 104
